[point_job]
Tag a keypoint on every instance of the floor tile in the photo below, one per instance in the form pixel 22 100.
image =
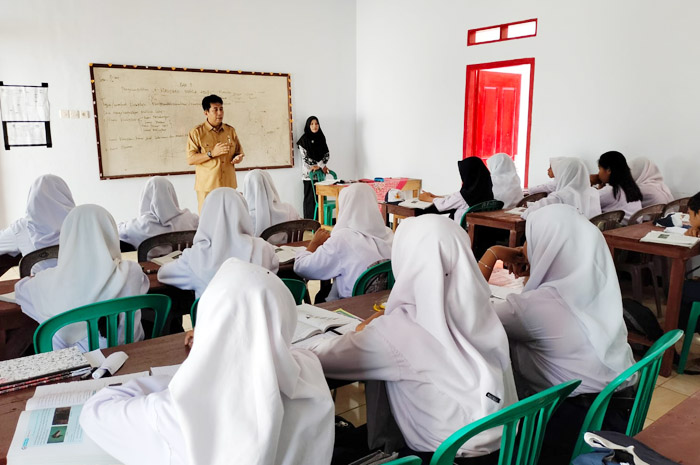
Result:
pixel 661 380
pixel 662 401
pixel 647 422
pixel 349 397
pixel 684 384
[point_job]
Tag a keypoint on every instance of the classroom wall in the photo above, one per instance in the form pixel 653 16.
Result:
pixel 608 75
pixel 49 41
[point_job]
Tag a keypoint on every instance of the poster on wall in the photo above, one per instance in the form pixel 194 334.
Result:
pixel 24 111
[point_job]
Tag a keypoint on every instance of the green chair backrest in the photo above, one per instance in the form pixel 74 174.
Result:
pixel 648 369
pixel 410 460
pixel 193 312
pixel 297 288
pixel 110 310
pixel 488 206
pixel 532 414
pixel 370 275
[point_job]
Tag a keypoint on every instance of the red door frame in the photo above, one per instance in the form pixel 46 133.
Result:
pixel 470 96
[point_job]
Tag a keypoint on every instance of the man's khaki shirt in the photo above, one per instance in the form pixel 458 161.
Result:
pixel 217 172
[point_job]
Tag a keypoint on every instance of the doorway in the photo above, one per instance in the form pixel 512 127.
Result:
pixel 498 111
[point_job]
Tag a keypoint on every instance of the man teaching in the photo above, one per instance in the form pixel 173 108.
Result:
pixel 214 149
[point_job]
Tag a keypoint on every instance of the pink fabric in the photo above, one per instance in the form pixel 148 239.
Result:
pixel 382 187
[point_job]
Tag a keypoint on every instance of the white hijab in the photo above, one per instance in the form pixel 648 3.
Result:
pixel 48 203
pixel 243 395
pixel 505 179
pixel 573 188
pixel 569 254
pixel 90 269
pixel 264 204
pixel 650 181
pixel 225 231
pixel 159 213
pixel 358 212
pixel 440 319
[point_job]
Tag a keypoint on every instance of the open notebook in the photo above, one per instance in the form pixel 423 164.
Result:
pixel 662 237
pixel 286 253
pixel 314 320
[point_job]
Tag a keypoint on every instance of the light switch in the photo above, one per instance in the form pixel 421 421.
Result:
pixel 64 114
pixel 85 114
pixel 74 114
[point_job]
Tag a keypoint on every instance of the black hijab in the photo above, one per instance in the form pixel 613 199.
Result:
pixel 476 181
pixel 313 142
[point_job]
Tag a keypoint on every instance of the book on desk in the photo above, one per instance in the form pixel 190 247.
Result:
pixel 312 321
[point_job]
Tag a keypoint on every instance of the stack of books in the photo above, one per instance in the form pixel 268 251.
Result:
pixel 26 372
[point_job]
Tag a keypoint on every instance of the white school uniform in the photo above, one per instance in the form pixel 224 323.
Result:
pixel 567 323
pixel 225 231
pixel 159 213
pixel 453 201
pixel 573 188
pixel 89 270
pixel 650 181
pixel 358 240
pixel 48 203
pixel 242 396
pixel 264 204
pixel 440 346
pixel 608 202
pixel 505 179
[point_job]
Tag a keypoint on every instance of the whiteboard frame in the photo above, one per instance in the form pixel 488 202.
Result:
pixel 188 70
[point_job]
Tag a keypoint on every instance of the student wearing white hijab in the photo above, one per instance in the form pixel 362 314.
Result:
pixel 243 395
pixel 89 270
pixel 505 179
pixel 573 188
pixel 225 231
pixel 359 239
pixel 264 204
pixel 159 213
pixel 439 346
pixel 549 186
pixel 48 203
pixel 567 323
pixel 650 181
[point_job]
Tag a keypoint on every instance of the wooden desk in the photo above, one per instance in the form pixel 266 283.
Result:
pixel 399 213
pixel 675 434
pixel 627 238
pixel 361 306
pixel 323 191
pixel 500 220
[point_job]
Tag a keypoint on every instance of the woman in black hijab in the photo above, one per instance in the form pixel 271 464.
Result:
pixel 476 188
pixel 314 156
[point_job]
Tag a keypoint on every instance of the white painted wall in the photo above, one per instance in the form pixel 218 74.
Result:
pixel 608 76
pixel 49 41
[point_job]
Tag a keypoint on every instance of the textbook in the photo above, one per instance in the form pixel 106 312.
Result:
pixel 314 320
pixel 660 237
pixel 171 257
pixel 286 253
pixel 49 431
pixel 12 273
pixel 9 297
pixel 415 203
pixel 25 369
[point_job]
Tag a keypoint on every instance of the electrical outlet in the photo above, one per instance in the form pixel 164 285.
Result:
pixel 74 114
pixel 85 114
pixel 64 113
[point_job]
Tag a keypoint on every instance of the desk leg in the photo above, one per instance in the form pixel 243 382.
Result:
pixel 320 209
pixel 513 239
pixel 675 294
pixel 472 234
pixel 385 214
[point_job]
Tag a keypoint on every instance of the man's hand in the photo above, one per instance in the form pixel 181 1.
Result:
pixel 695 232
pixel 189 339
pixel 237 159
pixel 220 149
pixel 319 238
pixel 426 196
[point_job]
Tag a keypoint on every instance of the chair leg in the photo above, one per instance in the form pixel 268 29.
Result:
pixel 689 333
pixel 651 266
pixel 636 284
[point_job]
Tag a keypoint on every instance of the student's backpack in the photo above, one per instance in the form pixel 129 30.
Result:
pixel 641 320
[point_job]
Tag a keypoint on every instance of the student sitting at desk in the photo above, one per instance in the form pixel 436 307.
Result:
pixel 89 270
pixel 359 239
pixel 549 186
pixel 160 213
pixel 572 188
pixel 476 188
pixel 49 201
pixel 505 179
pixel 242 396
pixel 264 204
pixel 617 188
pixel 650 182
pixel 225 231
pixel 439 346
pixel 567 323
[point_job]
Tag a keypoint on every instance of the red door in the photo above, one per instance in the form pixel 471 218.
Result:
pixel 494 122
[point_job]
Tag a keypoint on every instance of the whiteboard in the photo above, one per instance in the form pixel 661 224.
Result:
pixel 144 114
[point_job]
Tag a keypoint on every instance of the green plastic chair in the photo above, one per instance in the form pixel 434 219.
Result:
pixel 193 311
pixel 648 369
pixel 689 333
pixel 410 460
pixel 297 288
pixel 488 206
pixel 532 414
pixel 109 309
pixel 328 205
pixel 370 274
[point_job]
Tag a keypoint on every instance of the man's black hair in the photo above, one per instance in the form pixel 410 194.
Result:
pixel 694 203
pixel 209 99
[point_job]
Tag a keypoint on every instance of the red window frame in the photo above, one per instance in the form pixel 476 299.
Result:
pixel 471 34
